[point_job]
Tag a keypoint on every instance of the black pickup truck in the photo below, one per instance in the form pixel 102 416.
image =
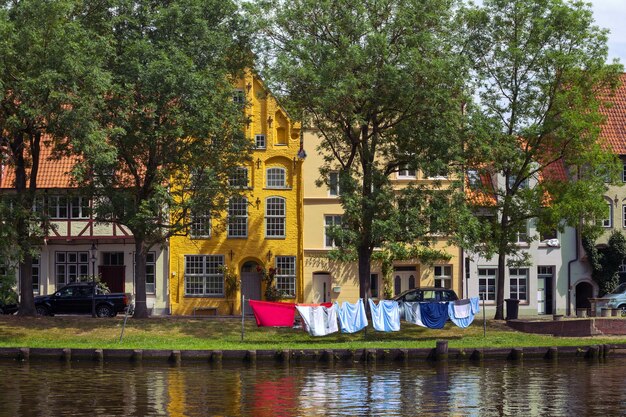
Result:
pixel 76 298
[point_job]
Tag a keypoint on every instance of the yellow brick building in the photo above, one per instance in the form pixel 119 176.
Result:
pixel 264 228
pixel 328 281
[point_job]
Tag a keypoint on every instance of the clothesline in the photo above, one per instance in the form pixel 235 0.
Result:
pixel 323 319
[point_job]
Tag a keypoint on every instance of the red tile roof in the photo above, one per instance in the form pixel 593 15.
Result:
pixel 54 172
pixel 555 171
pixel 614 129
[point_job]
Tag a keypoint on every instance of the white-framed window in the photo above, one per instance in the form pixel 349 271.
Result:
pixel 260 141
pixel 406 172
pixel 204 275
pixel 200 224
pixel 286 275
pixel 333 184
pixel 69 266
pixel 79 208
pixel 57 207
pixel 473 179
pixel 239 97
pixel 275 217
pixel 330 221
pixel 443 276
pixel 487 283
pixel 522 234
pixel 518 283
pixel 624 173
pixel 238 217
pixel 622 267
pixel 608 220
pixel 624 216
pixel 440 174
pixel 239 177
pixel 35 274
pixel 549 234
pixel 513 179
pixel 276 178
pixel 150 271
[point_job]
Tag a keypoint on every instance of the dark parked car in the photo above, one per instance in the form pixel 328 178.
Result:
pixel 426 294
pixel 77 299
pixel 10 308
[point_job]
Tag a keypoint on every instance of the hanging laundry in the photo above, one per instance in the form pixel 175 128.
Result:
pixel 412 313
pixel 462 308
pixel 385 315
pixel 462 312
pixel 352 317
pixel 271 314
pixel 318 320
pixel 434 315
pixel 475 303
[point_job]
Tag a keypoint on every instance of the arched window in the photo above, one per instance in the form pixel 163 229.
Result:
pixel 276 178
pixel 275 217
pixel 397 285
pixel 238 217
pixel 411 282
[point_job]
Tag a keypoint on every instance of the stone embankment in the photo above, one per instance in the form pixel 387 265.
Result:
pixel 441 353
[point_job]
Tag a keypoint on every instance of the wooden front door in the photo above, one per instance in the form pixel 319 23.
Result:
pixel 250 285
pixel 113 276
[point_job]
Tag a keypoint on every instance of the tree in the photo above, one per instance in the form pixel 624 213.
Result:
pixel 171 133
pixel 382 84
pixel 49 86
pixel 540 67
pixel 606 261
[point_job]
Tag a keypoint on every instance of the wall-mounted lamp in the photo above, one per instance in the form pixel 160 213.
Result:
pixel 231 254
pixel 269 255
pixel 258 163
pixel 248 121
pixel 269 121
pixel 249 87
pixel 258 203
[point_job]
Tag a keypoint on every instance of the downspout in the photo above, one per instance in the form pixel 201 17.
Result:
pixel 569 274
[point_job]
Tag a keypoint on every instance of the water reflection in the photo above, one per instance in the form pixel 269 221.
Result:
pixel 490 389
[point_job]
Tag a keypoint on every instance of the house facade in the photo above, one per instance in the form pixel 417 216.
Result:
pixel 326 280
pixel 77 247
pixel 555 280
pixel 261 230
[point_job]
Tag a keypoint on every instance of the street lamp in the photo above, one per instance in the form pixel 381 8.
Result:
pixel 93 252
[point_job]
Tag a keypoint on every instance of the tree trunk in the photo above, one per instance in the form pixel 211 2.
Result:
pixel 500 286
pixel 141 308
pixel 27 299
pixel 364 272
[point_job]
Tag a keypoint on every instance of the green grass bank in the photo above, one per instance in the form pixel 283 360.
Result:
pixel 225 334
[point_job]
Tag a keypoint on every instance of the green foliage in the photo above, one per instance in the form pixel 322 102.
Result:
pixel 540 70
pixel 50 84
pixel 170 131
pixel 268 276
pixel 381 83
pixel 97 279
pixel 606 260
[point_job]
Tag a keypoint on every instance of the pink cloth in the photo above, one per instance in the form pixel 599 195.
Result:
pixel 272 314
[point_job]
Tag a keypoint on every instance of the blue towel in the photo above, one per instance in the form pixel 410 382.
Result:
pixel 475 304
pixel 434 315
pixel 461 322
pixel 385 315
pixel 352 317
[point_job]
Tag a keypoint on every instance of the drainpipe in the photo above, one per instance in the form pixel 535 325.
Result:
pixel 569 274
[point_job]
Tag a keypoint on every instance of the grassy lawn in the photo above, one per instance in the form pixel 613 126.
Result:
pixel 225 333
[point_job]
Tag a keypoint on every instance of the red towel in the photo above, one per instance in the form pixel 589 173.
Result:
pixel 272 314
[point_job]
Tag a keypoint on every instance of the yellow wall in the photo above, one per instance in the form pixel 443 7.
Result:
pixel 282 145
pixel 317 204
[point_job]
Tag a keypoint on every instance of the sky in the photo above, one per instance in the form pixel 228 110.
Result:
pixel 611 14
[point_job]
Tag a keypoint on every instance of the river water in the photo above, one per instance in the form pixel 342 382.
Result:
pixel 531 388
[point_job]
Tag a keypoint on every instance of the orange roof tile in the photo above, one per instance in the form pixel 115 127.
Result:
pixel 555 171
pixel 614 129
pixel 54 172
